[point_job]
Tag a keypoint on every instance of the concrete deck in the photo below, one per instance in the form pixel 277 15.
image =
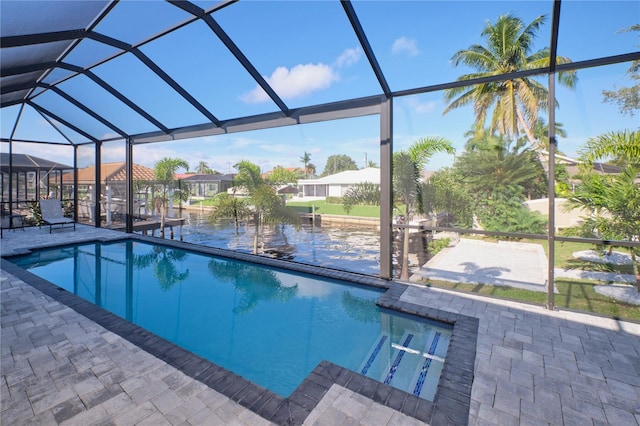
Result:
pixel 532 366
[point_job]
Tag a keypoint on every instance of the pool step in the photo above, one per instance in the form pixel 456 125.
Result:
pixel 406 365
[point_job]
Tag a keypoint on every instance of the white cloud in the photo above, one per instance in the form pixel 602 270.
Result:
pixel 300 80
pixel 404 45
pixel 349 57
pixel 420 107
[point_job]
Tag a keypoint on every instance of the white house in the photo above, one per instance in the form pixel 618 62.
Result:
pixel 336 185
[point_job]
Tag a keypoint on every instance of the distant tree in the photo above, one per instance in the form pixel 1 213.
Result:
pixel 305 159
pixel 281 176
pixel 627 98
pixel 371 163
pixel 338 163
pixel 204 169
pixel 310 170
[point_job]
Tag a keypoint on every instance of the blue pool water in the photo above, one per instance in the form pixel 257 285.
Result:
pixel 270 326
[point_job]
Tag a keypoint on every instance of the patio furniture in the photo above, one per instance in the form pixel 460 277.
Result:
pixel 51 211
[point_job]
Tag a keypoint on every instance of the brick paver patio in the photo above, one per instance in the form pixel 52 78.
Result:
pixel 532 366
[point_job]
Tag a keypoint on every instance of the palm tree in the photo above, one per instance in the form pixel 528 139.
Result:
pixel 230 206
pixel 165 171
pixel 267 205
pixel 612 201
pixel 499 164
pixel 407 166
pixel 305 159
pixel 516 102
pixel 203 168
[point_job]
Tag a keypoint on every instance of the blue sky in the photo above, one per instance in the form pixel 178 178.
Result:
pixel 307 51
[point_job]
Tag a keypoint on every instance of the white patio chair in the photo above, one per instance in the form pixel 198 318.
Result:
pixel 51 211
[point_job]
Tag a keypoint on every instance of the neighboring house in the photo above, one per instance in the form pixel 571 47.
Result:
pixel 113 179
pixel 573 168
pixel 336 185
pixel 113 187
pixel 203 186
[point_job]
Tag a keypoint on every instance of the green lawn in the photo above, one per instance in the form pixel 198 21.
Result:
pixel 322 207
pixel 573 294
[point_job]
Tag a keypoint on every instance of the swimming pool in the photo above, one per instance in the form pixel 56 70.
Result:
pixel 271 326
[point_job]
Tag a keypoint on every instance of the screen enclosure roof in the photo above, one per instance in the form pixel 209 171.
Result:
pixel 105 70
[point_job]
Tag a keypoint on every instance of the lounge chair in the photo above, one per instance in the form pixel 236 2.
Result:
pixel 51 211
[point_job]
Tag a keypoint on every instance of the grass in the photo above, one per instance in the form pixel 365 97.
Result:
pixel 572 294
pixel 322 207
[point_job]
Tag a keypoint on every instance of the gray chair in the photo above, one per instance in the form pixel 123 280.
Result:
pixel 51 211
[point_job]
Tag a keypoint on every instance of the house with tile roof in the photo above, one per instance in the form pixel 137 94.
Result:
pixel 113 184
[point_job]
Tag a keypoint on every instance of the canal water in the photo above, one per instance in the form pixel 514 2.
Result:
pixel 349 248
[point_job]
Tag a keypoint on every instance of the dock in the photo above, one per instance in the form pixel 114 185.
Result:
pixel 153 224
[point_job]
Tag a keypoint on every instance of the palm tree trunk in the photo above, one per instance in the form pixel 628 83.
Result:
pixel 404 274
pixel 256 219
pixel 532 141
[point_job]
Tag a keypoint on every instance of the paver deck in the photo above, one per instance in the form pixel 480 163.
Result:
pixel 533 366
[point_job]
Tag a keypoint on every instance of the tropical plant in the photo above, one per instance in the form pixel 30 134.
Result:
pixel 502 165
pixel 366 193
pixel 445 193
pixel 407 166
pixel 267 206
pixel 513 104
pixel 229 206
pixel 503 211
pixel 338 163
pixel 612 201
pixel 164 172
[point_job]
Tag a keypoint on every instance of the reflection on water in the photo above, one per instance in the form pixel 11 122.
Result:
pixel 353 249
pixel 252 282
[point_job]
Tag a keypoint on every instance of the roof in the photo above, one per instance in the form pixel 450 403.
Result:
pixel 204 177
pixel 80 64
pixel 25 162
pixel 348 177
pixel 110 172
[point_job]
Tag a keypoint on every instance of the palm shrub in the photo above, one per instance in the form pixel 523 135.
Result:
pixel 612 201
pixel 503 211
pixel 365 193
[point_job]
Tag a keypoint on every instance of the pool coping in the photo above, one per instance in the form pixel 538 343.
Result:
pixel 452 400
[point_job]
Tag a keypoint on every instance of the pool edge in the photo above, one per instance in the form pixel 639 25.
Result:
pixel 452 400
